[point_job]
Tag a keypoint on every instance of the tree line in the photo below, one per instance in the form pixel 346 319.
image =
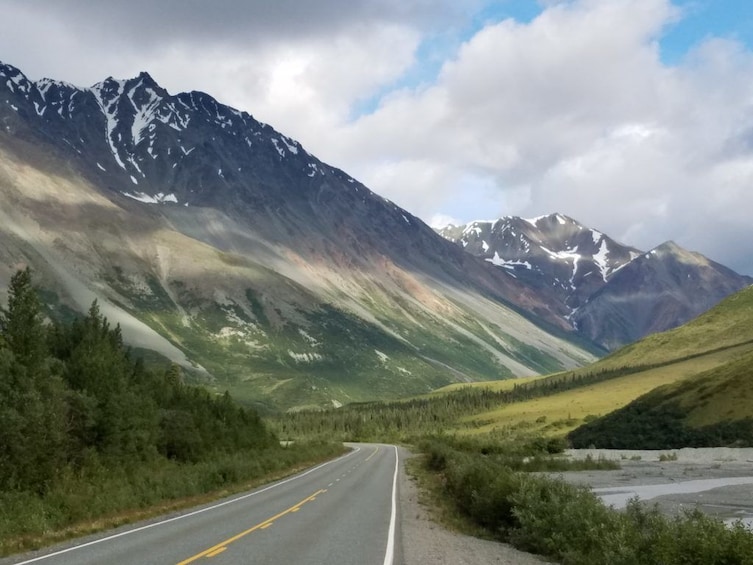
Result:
pixel 73 397
pixel 392 420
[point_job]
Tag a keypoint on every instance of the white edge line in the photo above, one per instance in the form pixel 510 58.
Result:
pixel 194 513
pixel 389 554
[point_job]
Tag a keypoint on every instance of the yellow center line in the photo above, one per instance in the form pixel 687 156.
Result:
pixel 372 454
pixel 220 547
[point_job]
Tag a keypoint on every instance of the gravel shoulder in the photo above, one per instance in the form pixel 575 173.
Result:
pixel 425 542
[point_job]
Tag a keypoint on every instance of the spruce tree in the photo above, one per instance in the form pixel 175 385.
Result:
pixel 21 324
pixel 33 408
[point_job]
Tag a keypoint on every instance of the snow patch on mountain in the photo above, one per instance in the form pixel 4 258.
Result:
pixel 144 112
pixel 305 357
pixel 601 258
pixel 499 262
pixel 159 198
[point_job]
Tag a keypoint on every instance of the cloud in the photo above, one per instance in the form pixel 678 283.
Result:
pixel 573 111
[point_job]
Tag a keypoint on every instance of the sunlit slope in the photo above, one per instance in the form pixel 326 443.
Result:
pixel 695 393
pixel 702 365
pixel 712 408
pixel 729 323
pixel 275 329
pixel 704 408
pixel 563 411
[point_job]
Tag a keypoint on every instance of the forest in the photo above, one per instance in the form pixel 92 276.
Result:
pixel 404 420
pixel 87 430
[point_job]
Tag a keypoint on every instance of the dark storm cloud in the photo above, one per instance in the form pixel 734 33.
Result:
pixel 245 21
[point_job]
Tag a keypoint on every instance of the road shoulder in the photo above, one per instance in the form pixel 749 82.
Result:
pixel 425 542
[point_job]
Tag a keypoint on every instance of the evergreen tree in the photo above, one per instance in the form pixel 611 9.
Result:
pixel 33 408
pixel 21 324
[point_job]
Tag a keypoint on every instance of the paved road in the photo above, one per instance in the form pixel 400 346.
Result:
pixel 341 512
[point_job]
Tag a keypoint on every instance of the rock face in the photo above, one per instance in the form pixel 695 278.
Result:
pixel 550 252
pixel 658 290
pixel 224 244
pixel 614 294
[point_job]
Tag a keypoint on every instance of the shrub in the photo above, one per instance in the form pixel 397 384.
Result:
pixel 570 524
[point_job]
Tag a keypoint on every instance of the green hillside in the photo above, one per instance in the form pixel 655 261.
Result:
pixel 703 361
pixel 727 324
pixel 708 408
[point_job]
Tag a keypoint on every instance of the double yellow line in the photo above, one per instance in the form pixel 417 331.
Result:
pixel 222 546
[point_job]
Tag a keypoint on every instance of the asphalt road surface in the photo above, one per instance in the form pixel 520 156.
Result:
pixel 341 512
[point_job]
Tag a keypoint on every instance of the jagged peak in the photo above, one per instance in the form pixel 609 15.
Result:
pixel 46 83
pixel 146 79
pixel 557 217
pixel 119 85
pixel 9 70
pixel 17 80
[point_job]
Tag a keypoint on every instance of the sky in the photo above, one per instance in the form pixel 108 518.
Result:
pixel 634 117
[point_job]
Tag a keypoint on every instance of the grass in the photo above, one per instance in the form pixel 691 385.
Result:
pixel 562 412
pixel 343 369
pixel 506 384
pixel 720 394
pixel 709 409
pixel 727 324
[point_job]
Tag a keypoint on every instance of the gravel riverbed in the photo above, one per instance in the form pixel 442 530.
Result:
pixel 718 481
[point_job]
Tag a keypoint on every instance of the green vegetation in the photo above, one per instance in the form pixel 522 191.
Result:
pixel 314 357
pixel 276 345
pixel 727 324
pixel 103 435
pixel 708 410
pixel 710 406
pixel 566 522
pixel 88 433
pixel 565 410
pixel 690 387
pixel 401 420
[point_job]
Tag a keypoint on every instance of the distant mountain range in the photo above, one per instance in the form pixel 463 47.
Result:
pixel 614 294
pixel 225 246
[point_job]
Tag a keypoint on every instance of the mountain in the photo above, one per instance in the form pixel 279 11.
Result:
pixel 709 408
pixel 553 252
pixel 658 290
pixel 225 246
pixel 614 294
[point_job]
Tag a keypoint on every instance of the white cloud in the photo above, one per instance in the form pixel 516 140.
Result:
pixel 572 112
pixel 443 220
pixel 575 112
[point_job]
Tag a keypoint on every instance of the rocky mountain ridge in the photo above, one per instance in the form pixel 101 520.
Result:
pixel 224 244
pixel 615 293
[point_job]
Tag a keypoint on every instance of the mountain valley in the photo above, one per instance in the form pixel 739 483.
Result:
pixel 228 248
pixel 224 246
